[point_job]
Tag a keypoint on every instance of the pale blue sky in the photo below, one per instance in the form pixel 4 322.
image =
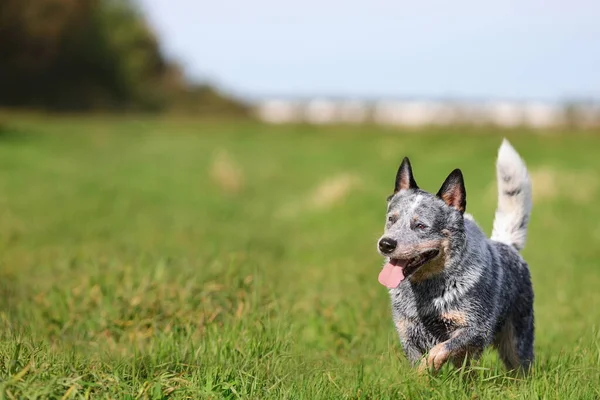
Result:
pixel 526 49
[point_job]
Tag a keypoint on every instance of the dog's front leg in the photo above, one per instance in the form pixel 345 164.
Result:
pixel 412 352
pixel 465 342
pixel 407 331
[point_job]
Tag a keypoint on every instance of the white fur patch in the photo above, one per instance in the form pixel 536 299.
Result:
pixel 514 198
pixel 416 203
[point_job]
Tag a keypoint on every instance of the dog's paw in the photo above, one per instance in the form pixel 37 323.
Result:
pixel 435 359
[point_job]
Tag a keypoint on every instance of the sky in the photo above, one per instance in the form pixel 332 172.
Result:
pixel 518 50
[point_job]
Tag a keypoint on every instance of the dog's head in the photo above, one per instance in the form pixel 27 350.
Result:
pixel 423 232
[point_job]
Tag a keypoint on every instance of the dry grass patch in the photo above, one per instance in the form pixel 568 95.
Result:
pixel 226 173
pixel 327 194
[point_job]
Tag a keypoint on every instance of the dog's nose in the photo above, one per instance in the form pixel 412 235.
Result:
pixel 387 245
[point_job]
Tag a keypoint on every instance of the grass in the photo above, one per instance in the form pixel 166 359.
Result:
pixel 159 259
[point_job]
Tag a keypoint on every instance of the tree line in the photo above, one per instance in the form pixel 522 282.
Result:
pixel 87 55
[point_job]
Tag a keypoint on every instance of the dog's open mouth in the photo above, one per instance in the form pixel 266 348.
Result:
pixel 397 269
pixel 412 264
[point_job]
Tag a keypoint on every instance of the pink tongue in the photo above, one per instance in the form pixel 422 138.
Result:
pixel 391 276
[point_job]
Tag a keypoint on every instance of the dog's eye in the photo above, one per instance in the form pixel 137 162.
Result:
pixel 391 219
pixel 420 226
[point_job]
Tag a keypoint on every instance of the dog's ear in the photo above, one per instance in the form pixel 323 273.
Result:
pixel 404 177
pixel 453 191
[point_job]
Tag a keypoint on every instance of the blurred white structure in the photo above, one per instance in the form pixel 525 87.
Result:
pixel 321 112
pixel 586 115
pixel 353 112
pixel 415 113
pixel 279 112
pixel 505 114
pixel 541 115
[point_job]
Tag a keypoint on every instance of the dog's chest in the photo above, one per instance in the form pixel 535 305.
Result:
pixel 428 317
pixel 413 302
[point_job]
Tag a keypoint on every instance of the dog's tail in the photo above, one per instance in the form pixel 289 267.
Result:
pixel 514 198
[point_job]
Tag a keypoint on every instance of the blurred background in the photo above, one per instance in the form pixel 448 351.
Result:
pixel 191 191
pixel 532 63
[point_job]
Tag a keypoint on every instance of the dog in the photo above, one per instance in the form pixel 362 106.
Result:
pixel 453 291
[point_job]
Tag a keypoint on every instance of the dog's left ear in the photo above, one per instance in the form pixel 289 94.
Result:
pixel 453 191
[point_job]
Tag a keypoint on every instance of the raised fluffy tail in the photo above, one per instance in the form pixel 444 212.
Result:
pixel 514 198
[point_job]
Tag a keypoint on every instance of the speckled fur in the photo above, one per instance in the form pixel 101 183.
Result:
pixel 480 293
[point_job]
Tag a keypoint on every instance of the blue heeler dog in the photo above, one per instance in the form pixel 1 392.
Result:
pixel 453 290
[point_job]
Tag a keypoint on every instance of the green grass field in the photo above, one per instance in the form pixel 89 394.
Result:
pixel 159 259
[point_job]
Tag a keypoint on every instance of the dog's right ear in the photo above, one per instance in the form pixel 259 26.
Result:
pixel 453 191
pixel 404 177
